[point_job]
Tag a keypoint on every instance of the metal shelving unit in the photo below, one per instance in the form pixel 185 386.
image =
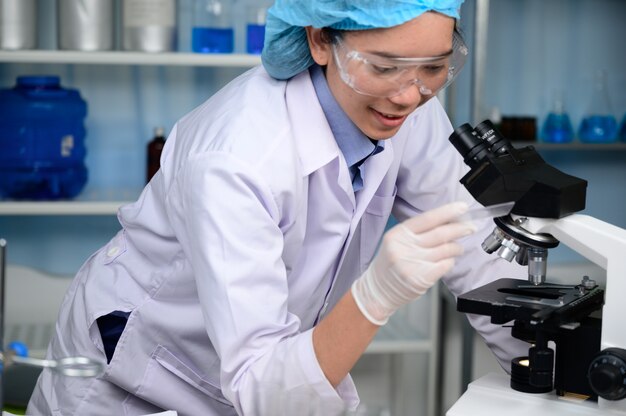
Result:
pixel 129 58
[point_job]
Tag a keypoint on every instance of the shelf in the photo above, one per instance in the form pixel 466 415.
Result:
pixel 573 146
pixel 89 202
pixel 398 346
pixel 129 58
pixel 400 336
pixel 60 207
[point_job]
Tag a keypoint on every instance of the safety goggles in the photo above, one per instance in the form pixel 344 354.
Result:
pixel 385 77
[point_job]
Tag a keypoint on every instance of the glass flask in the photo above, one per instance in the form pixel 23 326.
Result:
pixel 622 130
pixel 255 27
pixel 557 127
pixel 213 30
pixel 598 124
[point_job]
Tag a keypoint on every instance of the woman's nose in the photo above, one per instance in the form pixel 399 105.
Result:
pixel 411 95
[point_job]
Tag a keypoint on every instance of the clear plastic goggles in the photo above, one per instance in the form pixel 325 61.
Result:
pixel 380 76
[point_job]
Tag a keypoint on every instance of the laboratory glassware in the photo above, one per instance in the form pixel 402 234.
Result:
pixel 155 148
pixel 18 24
pixel 256 14
pixel 213 27
pixel 69 366
pixel 622 130
pixel 557 127
pixel 149 26
pixel 43 140
pixel 598 124
pixel 85 25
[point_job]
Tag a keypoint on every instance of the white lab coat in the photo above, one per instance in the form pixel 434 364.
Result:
pixel 248 235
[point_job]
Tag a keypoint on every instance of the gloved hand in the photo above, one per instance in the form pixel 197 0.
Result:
pixel 413 255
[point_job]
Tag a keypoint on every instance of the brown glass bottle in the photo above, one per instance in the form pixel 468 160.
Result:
pixel 155 147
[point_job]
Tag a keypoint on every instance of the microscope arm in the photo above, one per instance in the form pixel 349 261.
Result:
pixel 605 245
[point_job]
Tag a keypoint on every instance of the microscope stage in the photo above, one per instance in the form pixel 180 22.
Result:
pixel 505 300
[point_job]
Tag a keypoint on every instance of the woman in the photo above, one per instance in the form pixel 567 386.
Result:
pixel 247 267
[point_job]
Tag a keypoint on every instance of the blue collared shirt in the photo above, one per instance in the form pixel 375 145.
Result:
pixel 354 145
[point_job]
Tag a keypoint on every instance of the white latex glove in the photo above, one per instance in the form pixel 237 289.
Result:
pixel 413 256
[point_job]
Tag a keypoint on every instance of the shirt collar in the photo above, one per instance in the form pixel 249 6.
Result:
pixel 354 145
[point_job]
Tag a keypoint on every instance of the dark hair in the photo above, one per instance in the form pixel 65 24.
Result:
pixel 330 35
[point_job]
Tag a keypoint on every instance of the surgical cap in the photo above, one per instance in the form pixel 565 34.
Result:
pixel 286 50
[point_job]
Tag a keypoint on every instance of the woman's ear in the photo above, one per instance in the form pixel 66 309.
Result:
pixel 320 49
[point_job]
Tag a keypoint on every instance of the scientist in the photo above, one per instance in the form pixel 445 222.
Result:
pixel 247 273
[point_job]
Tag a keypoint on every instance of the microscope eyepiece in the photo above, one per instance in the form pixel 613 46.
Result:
pixel 499 172
pixel 473 149
pixel 487 132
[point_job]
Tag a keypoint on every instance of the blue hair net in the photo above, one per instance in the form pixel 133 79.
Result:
pixel 286 51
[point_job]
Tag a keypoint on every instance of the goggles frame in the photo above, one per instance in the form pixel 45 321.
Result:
pixel 392 76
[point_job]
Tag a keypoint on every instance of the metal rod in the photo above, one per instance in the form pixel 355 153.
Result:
pixel 3 246
pixel 481 30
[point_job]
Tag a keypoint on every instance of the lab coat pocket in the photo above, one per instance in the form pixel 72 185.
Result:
pixel 167 378
pixel 373 225
pixel 115 248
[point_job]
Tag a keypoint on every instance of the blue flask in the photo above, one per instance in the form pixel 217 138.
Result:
pixel 213 30
pixel 599 125
pixel 255 27
pixel 622 130
pixel 557 128
pixel 42 137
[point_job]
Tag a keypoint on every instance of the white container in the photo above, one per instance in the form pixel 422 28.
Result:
pixel 85 25
pixel 18 24
pixel 149 25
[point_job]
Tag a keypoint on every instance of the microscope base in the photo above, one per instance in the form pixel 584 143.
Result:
pixel 491 396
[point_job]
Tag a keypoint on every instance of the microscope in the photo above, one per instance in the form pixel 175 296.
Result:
pixel 587 366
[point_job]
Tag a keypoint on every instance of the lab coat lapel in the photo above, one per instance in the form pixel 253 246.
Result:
pixel 318 149
pixel 314 140
pixel 374 170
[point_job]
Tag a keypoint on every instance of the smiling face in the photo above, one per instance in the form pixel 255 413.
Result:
pixel 428 35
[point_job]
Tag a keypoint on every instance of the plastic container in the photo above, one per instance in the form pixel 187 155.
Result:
pixel 42 138
pixel 598 124
pixel 213 30
pixel 255 27
pixel 557 127
pixel 148 25
pixel 86 25
pixel 18 24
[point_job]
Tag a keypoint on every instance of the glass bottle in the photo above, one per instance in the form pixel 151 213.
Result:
pixel 155 148
pixel 622 130
pixel 213 29
pixel 255 27
pixel 599 124
pixel 557 128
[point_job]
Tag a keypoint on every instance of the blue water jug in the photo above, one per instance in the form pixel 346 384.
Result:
pixel 42 140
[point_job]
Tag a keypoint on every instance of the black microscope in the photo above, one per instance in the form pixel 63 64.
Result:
pixel 589 359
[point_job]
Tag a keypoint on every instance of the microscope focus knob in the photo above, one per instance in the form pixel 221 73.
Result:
pixel 607 374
